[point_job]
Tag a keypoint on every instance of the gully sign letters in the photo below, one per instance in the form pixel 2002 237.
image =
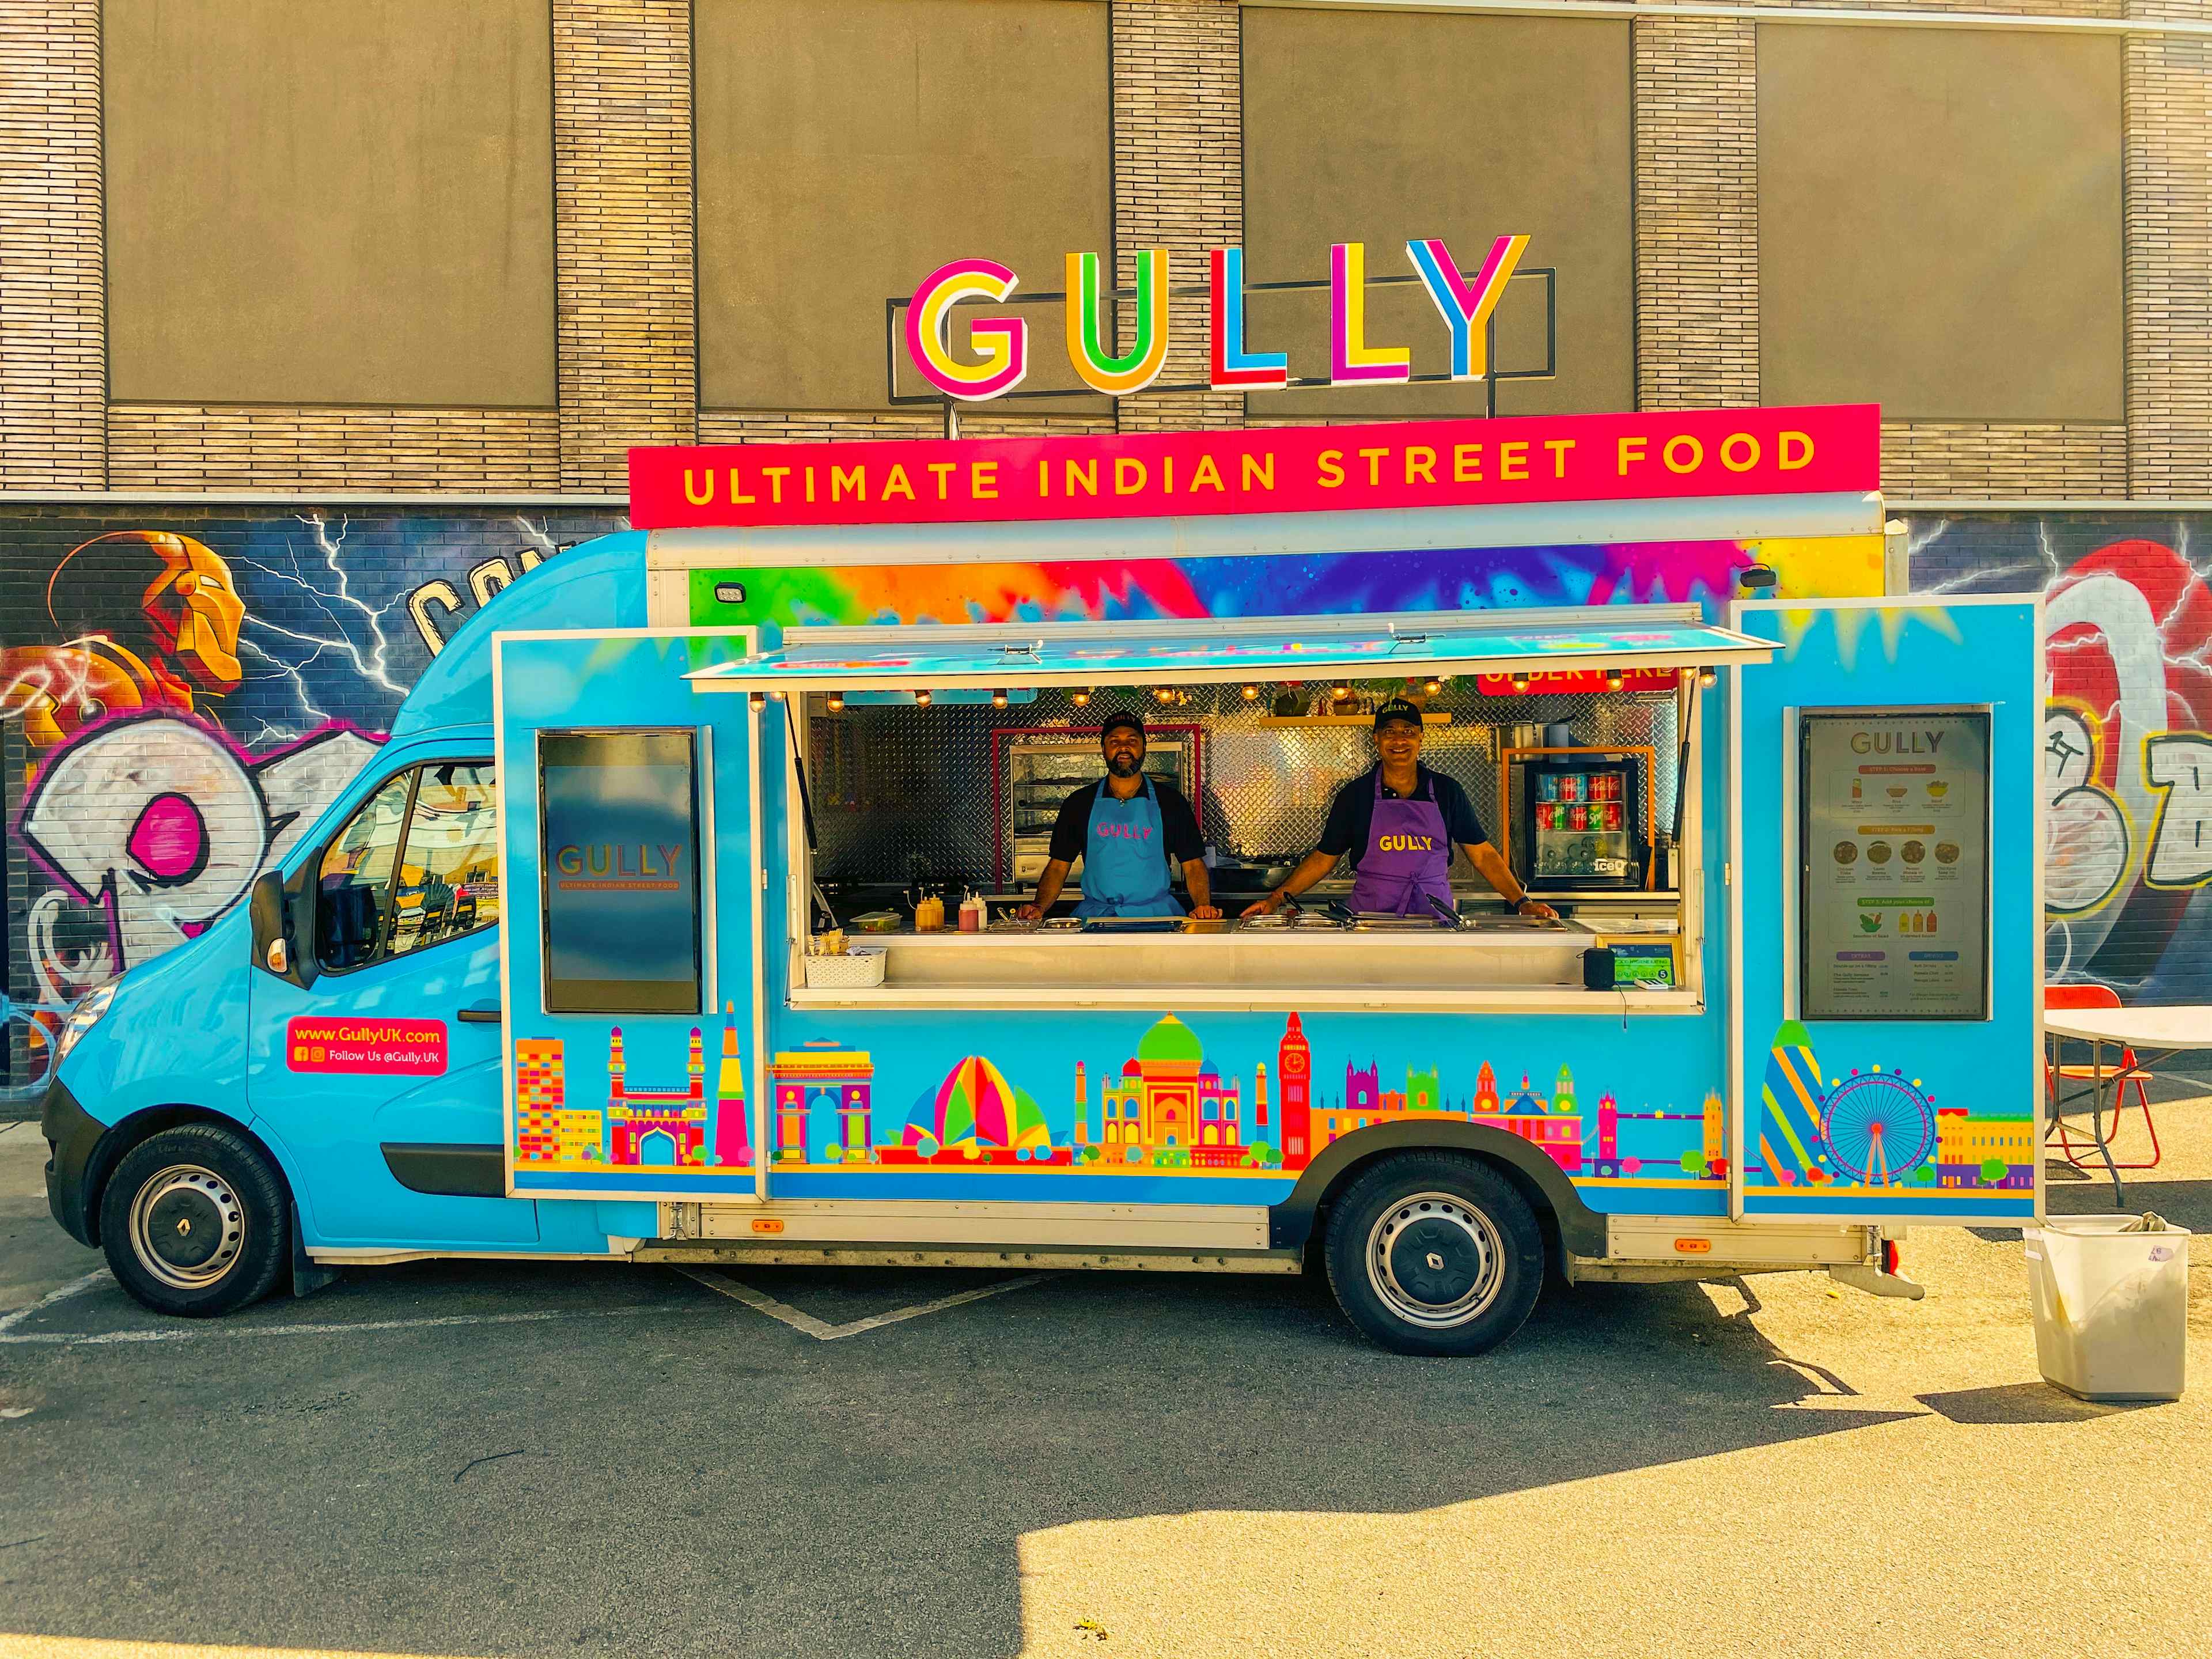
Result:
pixel 1002 344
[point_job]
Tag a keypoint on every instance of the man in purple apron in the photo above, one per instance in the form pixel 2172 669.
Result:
pixel 1131 832
pixel 1400 822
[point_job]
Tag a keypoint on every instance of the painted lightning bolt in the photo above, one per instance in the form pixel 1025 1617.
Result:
pixel 371 665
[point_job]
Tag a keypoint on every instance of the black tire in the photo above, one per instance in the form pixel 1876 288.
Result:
pixel 1435 1254
pixel 195 1221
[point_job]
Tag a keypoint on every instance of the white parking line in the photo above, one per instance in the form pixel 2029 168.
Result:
pixel 74 1287
pixel 191 1332
pixel 821 1329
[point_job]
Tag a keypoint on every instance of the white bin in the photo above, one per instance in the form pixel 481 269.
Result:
pixel 2111 1308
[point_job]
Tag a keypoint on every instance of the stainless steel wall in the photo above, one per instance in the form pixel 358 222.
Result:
pixel 902 794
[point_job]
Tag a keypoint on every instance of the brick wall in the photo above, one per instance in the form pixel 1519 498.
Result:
pixel 626 338
pixel 623 212
pixel 1178 178
pixel 1995 461
pixel 2168 87
pixel 1697 214
pixel 192 447
pixel 53 364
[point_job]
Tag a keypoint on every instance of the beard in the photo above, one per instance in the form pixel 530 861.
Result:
pixel 1125 766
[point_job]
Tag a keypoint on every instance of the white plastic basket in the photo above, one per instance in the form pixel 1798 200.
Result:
pixel 860 966
pixel 2111 1308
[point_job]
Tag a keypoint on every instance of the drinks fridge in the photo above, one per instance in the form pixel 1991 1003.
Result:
pixel 1580 823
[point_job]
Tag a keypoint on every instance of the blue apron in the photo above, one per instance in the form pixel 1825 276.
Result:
pixel 1125 860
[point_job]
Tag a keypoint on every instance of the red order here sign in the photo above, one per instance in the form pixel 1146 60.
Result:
pixel 403 1047
pixel 1563 458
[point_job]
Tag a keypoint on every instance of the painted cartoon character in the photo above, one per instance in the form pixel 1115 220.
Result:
pixel 177 649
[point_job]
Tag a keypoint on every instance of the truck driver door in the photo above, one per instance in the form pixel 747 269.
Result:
pixel 630 811
pixel 1887 905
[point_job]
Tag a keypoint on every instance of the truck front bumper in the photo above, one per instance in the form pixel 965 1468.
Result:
pixel 72 1137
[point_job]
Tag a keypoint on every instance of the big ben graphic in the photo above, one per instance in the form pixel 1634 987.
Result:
pixel 1294 1078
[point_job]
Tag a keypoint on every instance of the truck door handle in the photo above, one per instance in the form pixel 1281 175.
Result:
pixel 482 1014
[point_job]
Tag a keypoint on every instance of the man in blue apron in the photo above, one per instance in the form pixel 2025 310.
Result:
pixel 1131 833
pixel 1400 821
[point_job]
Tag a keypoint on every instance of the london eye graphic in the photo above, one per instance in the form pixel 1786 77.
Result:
pixel 1879 1128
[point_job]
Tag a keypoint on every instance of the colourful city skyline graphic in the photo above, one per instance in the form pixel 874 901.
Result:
pixel 1874 1129
pixel 1167 1109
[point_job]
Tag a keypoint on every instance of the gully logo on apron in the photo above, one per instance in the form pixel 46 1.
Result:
pixel 1408 857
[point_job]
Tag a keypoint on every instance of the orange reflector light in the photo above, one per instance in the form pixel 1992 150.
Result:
pixel 1692 1246
pixel 767 1223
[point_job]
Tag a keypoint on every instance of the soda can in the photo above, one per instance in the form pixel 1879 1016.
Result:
pixel 1547 786
pixel 1546 813
pixel 1570 786
pixel 1578 817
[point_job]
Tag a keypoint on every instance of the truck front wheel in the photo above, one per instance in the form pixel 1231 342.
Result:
pixel 195 1222
pixel 1435 1253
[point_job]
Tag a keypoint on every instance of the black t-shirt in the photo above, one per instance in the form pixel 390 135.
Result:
pixel 1352 814
pixel 1178 823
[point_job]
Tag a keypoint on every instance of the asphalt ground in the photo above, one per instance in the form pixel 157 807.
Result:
pixel 482 1458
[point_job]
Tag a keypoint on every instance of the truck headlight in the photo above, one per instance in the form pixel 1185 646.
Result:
pixel 82 1017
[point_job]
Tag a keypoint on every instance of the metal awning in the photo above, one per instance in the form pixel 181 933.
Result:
pixel 1272 648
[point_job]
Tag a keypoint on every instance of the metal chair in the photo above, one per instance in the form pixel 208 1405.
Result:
pixel 2124 1076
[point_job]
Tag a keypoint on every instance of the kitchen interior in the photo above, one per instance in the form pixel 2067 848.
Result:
pixel 932 813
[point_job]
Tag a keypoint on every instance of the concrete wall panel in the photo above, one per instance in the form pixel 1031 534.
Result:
pixel 847 151
pixel 1379 127
pixel 338 204
pixel 1939 222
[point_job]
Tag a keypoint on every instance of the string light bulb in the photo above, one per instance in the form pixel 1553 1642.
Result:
pixel 921 698
pixel 1612 680
pixel 1251 694
pixel 1433 685
pixel 998 699
pixel 836 702
pixel 1708 676
pixel 1081 699
pixel 1520 681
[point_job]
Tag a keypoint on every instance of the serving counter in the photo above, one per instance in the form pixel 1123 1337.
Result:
pixel 1501 961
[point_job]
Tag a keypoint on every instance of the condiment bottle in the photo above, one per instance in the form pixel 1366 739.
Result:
pixel 929 914
pixel 971 913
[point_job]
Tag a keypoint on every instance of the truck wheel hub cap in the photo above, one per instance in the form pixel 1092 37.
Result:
pixel 1436 1262
pixel 187 1226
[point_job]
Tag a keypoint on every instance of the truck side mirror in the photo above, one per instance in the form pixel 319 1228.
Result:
pixel 276 943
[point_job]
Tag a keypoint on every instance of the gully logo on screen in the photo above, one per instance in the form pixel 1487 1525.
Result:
pixel 618 867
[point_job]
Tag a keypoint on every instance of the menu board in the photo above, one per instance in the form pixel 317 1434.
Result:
pixel 1893 809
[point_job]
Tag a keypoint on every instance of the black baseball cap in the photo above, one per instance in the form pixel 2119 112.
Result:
pixel 1398 708
pixel 1121 717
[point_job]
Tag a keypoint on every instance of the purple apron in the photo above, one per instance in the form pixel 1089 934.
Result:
pixel 1408 856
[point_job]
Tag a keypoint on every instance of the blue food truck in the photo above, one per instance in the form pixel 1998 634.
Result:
pixel 691 911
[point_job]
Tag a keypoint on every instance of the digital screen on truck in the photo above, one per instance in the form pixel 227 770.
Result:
pixel 620 871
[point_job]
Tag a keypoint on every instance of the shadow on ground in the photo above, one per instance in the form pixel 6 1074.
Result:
pixel 667 1471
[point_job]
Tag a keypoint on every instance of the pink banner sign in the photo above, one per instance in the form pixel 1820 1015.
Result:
pixel 1479 463
pixel 402 1048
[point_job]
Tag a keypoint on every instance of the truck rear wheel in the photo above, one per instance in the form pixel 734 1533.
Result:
pixel 196 1222
pixel 1435 1253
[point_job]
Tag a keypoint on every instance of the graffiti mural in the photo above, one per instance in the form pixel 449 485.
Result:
pixel 2127 734
pixel 181 691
